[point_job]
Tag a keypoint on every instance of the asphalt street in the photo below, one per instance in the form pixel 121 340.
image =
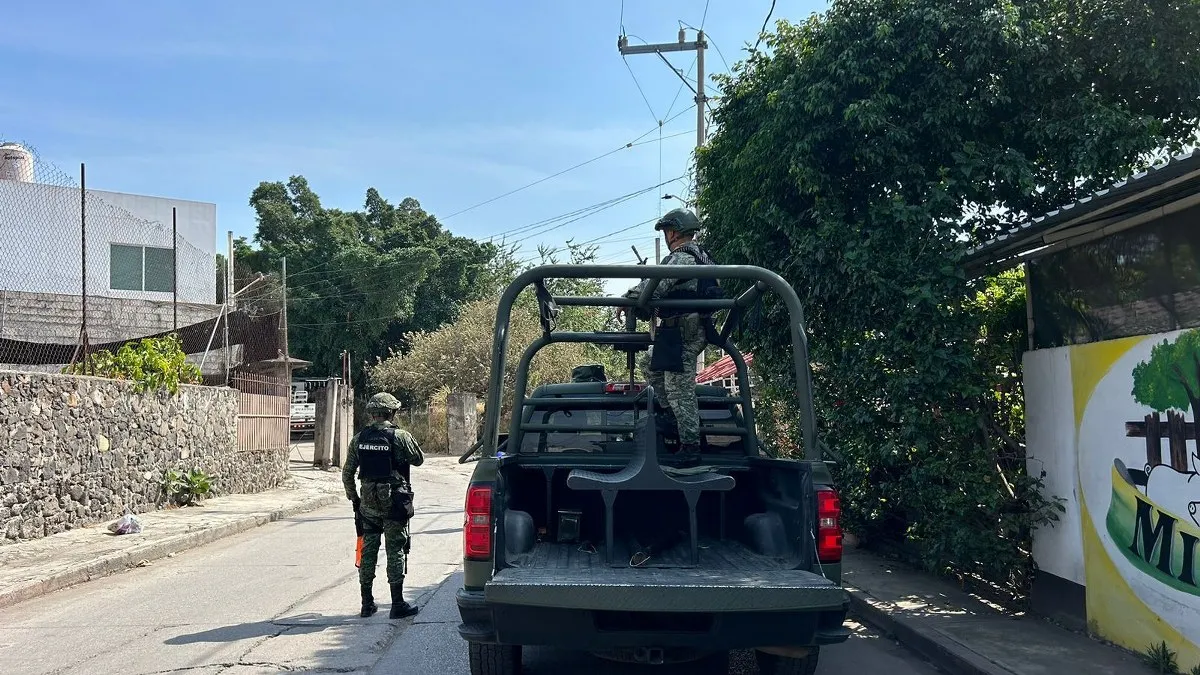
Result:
pixel 284 597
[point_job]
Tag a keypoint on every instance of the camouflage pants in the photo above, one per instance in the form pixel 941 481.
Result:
pixel 678 390
pixel 394 538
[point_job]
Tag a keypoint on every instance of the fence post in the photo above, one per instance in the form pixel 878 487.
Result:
pixel 1177 430
pixel 1153 440
pixel 460 422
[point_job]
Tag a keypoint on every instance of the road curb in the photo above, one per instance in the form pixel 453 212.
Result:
pixel 155 550
pixel 939 650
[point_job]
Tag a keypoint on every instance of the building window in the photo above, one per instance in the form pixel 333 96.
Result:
pixel 141 268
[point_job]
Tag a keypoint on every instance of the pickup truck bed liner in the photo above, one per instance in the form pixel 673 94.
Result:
pixel 729 578
pixel 714 556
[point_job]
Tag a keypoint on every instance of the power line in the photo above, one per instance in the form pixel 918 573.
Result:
pixel 592 208
pixel 614 151
pixel 704 17
pixel 608 206
pixel 623 229
pixel 603 206
pixel 640 91
pixel 764 26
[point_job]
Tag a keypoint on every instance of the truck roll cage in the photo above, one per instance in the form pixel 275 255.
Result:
pixel 632 341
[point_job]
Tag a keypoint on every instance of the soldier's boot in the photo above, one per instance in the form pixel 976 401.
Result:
pixel 368 602
pixel 688 455
pixel 667 425
pixel 400 608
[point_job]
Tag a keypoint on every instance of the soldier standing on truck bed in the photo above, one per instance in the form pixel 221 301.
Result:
pixel 670 364
pixel 382 455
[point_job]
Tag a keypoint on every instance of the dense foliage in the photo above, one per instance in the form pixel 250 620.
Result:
pixel 151 364
pixel 859 157
pixel 359 280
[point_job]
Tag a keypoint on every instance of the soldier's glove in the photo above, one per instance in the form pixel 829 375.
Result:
pixel 356 503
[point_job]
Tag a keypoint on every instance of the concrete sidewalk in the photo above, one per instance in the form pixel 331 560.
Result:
pixel 961 633
pixel 33 568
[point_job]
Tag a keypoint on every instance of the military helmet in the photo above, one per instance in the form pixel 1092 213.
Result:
pixel 682 221
pixel 383 401
pixel 591 372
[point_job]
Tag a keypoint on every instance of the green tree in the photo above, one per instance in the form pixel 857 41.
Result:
pixel 1170 378
pixel 358 280
pixel 859 156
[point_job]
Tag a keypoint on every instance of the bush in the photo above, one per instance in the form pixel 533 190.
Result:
pixel 150 363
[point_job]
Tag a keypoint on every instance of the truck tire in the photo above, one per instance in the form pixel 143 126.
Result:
pixel 772 664
pixel 488 659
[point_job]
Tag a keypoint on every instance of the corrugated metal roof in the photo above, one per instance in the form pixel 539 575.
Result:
pixel 723 368
pixel 1004 245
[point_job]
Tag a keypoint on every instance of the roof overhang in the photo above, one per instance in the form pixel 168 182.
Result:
pixel 1142 198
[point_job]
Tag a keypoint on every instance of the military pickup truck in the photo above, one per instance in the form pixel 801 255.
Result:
pixel 580 533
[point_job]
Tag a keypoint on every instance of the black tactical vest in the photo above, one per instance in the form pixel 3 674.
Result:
pixel 375 455
pixel 706 289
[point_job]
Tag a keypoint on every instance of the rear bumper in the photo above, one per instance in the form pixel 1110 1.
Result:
pixel 730 613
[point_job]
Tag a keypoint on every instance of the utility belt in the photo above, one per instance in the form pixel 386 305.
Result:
pixel 400 505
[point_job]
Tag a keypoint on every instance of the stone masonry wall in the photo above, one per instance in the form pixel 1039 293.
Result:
pixel 77 451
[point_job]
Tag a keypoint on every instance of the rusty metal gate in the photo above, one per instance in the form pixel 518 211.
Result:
pixel 264 412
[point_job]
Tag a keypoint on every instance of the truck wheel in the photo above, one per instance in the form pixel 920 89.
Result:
pixel 488 659
pixel 772 664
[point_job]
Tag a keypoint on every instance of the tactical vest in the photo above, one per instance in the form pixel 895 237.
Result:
pixel 375 455
pixel 706 289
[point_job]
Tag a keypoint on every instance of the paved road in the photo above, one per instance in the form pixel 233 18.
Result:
pixel 284 597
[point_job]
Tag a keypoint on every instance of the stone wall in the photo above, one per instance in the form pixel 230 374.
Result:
pixel 76 451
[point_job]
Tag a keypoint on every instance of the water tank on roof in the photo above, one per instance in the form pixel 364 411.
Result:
pixel 16 163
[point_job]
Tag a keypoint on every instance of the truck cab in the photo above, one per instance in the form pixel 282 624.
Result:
pixel 581 531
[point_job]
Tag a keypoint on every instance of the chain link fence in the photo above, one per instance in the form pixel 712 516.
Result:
pixel 83 270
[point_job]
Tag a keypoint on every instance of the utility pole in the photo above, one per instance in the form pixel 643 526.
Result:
pixel 228 302
pixel 287 358
pixel 682 45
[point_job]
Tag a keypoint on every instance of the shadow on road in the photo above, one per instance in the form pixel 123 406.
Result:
pixel 299 624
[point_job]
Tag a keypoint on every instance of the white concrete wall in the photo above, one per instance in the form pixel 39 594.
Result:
pixel 1050 447
pixel 40 244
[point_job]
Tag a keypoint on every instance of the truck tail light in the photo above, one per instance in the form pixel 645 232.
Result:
pixel 477 527
pixel 623 388
pixel 829 526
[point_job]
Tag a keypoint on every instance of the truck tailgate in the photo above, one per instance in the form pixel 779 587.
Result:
pixel 658 589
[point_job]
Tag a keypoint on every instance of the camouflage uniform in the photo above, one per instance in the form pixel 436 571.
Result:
pixel 374 507
pixel 676 391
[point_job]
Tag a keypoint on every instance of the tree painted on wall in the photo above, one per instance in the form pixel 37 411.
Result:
pixel 1170 378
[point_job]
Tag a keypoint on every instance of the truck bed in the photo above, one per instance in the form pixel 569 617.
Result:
pixel 729 578
pixel 726 556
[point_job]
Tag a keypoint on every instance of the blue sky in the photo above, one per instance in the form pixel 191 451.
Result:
pixel 450 103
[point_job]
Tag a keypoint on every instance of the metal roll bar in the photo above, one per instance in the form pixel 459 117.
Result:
pixel 763 280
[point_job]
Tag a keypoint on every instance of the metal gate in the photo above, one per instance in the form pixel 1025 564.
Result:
pixel 264 412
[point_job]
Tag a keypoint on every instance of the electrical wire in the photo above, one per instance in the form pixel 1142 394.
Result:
pixel 703 17
pixel 609 206
pixel 764 26
pixel 623 229
pixel 640 91
pixel 614 151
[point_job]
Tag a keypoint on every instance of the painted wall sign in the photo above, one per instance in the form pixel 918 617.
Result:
pixel 1135 404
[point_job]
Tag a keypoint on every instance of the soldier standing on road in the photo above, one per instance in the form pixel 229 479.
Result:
pixel 670 364
pixel 382 454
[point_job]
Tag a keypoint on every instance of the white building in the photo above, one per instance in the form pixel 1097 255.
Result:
pixel 132 264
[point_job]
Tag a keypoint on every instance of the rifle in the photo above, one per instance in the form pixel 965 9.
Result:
pixel 406 472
